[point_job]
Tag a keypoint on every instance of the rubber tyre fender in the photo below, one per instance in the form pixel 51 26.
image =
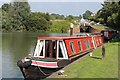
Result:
pixel 24 64
pixel 20 63
pixel 27 64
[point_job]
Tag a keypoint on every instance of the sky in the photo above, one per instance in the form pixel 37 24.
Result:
pixel 64 7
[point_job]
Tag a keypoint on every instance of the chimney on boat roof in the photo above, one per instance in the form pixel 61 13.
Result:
pixel 71 29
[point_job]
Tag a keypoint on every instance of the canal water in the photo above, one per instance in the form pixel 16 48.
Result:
pixel 14 47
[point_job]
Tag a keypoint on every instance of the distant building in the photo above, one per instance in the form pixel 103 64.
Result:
pixel 83 22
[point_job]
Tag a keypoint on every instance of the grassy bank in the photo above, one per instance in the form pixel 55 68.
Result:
pixel 95 67
pixel 100 27
pixel 60 26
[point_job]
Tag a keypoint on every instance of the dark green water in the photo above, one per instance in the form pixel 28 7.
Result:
pixel 14 47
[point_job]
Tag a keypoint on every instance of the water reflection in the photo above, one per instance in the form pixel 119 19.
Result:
pixel 1 56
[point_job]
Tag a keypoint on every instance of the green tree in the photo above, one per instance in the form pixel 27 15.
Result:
pixel 56 16
pixel 39 21
pixel 20 13
pixel 5 7
pixel 87 14
pixel 15 16
pixel 6 18
pixel 69 18
pixel 80 16
pixel 110 13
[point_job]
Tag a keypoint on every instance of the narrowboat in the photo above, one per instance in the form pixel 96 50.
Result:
pixel 108 34
pixel 55 52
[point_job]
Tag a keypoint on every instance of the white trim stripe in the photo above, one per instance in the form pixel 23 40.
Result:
pixel 44 64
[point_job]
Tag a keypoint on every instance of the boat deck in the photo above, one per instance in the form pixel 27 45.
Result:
pixel 44 59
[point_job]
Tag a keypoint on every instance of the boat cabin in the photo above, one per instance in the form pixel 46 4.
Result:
pixel 51 47
pixel 57 52
pixel 65 47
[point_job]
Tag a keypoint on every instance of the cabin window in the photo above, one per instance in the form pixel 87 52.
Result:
pixel 54 48
pixel 41 48
pixel 87 43
pixel 72 47
pixel 93 42
pixel 47 47
pixel 106 34
pixel 80 45
pixel 60 55
pixel 39 51
pixel 61 50
pixel 51 48
pixel 96 42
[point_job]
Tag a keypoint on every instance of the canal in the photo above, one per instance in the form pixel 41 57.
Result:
pixel 14 47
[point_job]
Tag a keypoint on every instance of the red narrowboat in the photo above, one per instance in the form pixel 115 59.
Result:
pixel 53 53
pixel 108 34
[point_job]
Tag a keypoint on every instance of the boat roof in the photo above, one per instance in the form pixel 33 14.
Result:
pixel 82 35
pixel 59 37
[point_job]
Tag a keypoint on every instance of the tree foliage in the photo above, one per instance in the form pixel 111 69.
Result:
pixel 54 16
pixel 109 15
pixel 87 14
pixel 17 16
pixel 39 22
pixel 69 18
pixel 14 16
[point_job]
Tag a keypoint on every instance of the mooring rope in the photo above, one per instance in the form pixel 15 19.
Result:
pixel 41 70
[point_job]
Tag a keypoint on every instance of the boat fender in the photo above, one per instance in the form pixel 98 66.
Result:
pixel 24 64
pixel 20 63
pixel 27 64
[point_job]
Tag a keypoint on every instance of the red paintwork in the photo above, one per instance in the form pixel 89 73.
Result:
pixel 109 34
pixel 75 41
pixel 42 63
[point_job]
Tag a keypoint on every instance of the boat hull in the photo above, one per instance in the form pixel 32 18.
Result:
pixel 36 72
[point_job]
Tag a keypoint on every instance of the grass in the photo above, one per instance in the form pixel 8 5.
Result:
pixel 100 27
pixel 95 67
pixel 60 26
